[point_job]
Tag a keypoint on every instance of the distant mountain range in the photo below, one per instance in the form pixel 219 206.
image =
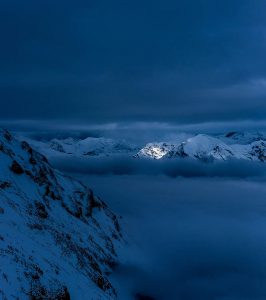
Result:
pixel 89 147
pixel 232 145
pixel 208 148
pixel 57 240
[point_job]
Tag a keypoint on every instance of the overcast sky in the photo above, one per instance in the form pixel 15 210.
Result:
pixel 184 61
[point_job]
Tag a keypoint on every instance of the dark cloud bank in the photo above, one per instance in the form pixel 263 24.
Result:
pixel 185 61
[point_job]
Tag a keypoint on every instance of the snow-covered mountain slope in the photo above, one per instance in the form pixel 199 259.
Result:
pixel 90 146
pixel 57 240
pixel 205 148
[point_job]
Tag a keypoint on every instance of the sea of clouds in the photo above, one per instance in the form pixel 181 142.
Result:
pixel 188 238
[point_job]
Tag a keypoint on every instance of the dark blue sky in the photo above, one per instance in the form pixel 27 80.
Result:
pixel 104 61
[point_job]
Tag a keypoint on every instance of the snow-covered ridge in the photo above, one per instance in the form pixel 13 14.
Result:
pixel 205 148
pixel 90 146
pixel 232 145
pixel 57 240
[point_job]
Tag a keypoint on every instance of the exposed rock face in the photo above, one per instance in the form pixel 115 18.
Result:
pixel 57 239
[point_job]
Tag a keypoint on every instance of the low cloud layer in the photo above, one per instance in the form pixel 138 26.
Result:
pixel 125 165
